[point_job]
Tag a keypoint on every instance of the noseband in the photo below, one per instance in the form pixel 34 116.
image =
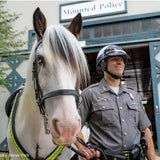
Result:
pixel 40 98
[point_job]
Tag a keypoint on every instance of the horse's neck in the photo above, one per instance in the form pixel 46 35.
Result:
pixel 28 111
pixel 27 107
pixel 29 122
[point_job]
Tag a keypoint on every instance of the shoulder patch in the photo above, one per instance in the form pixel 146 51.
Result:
pixel 80 99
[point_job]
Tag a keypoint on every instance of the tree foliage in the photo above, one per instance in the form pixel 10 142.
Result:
pixel 9 37
pixel 9 40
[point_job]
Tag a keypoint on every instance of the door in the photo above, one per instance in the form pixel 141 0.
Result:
pixel 154 48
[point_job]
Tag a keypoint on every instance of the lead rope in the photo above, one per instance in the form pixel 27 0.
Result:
pixel 92 146
pixel 87 146
pixel 104 154
pixel 76 151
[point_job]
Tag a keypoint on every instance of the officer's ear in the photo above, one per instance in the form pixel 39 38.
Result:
pixel 103 65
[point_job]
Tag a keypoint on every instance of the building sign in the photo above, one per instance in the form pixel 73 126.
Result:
pixel 90 9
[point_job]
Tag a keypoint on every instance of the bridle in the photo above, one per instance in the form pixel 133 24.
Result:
pixel 40 98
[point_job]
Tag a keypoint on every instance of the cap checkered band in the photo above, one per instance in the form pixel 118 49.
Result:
pixel 115 50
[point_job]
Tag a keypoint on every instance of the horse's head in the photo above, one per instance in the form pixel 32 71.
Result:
pixel 59 68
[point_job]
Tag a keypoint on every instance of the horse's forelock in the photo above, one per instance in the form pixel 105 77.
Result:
pixel 65 46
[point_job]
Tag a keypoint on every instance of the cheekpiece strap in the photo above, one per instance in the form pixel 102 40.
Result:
pixel 38 44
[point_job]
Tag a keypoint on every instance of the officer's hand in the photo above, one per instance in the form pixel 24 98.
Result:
pixel 89 153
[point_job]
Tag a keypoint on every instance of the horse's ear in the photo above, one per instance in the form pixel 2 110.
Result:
pixel 76 25
pixel 39 23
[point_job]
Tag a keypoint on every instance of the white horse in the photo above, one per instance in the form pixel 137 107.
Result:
pixel 57 66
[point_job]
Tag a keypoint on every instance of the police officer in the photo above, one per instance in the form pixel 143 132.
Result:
pixel 113 112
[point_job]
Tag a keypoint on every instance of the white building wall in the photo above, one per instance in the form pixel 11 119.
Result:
pixel 51 10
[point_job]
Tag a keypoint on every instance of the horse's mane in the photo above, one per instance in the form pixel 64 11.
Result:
pixel 59 41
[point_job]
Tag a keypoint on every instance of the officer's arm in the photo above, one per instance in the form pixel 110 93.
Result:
pixel 150 151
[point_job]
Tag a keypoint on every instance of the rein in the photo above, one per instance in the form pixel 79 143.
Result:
pixel 104 153
pixel 15 141
pixel 40 98
pixel 87 146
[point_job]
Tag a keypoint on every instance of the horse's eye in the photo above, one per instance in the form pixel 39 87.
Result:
pixel 40 60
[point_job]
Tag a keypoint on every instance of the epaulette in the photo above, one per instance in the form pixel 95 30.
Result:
pixel 131 89
pixel 88 91
pixel 91 86
pixel 132 93
pixel 94 85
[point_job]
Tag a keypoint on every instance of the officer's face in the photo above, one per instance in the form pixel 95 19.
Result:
pixel 115 65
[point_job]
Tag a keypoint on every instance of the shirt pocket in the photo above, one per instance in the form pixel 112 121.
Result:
pixel 104 112
pixel 133 112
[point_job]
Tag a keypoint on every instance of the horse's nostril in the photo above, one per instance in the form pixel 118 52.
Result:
pixel 54 126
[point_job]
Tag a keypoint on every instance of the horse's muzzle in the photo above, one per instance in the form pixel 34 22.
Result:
pixel 64 133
